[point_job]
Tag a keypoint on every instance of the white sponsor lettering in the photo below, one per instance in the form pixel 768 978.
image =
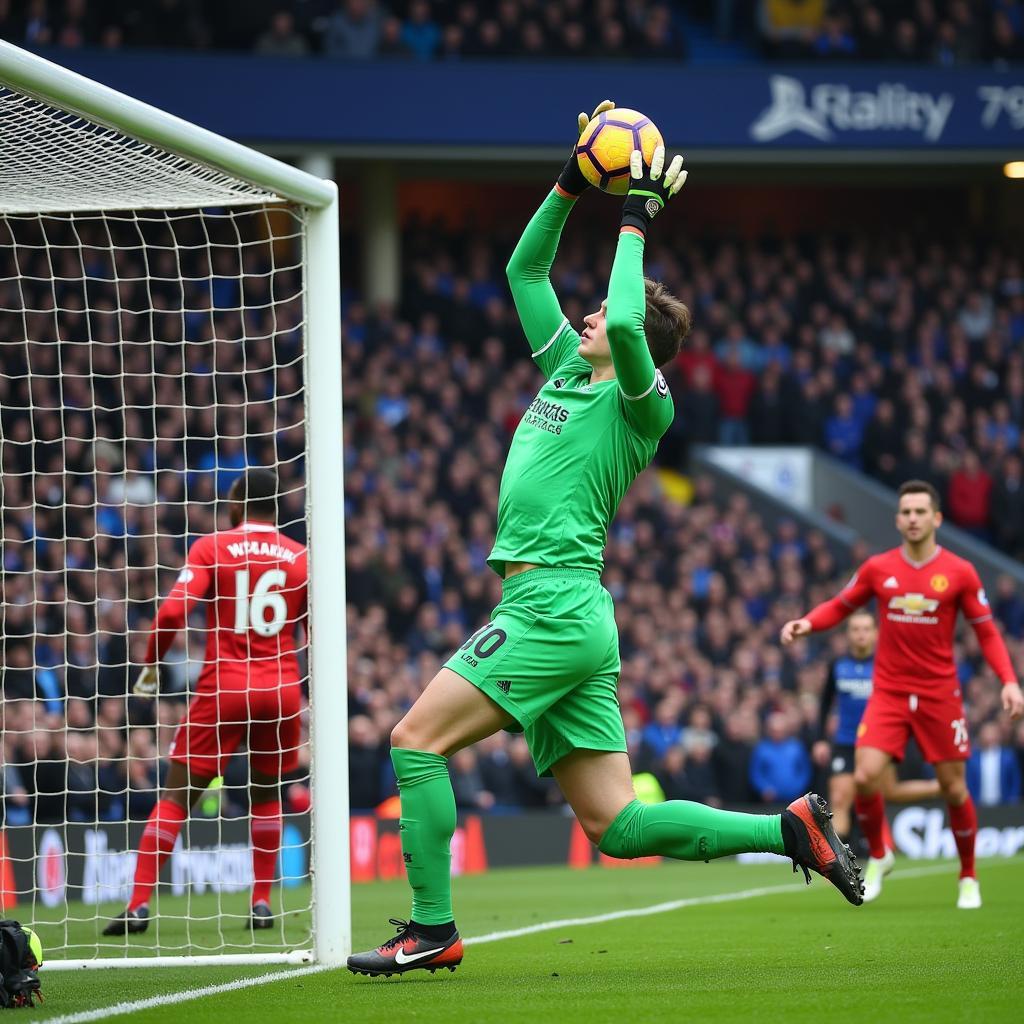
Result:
pixel 835 107
pixel 226 868
pixel 1002 99
pixel 855 686
pixel 921 833
pixel 107 875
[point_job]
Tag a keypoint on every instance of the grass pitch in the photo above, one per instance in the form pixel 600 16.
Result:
pixel 799 955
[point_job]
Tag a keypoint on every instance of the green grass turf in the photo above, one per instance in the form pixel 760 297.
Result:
pixel 800 956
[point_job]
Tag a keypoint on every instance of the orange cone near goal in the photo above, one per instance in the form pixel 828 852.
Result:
pixel 581 852
pixel 8 888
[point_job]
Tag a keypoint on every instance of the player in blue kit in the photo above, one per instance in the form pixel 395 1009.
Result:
pixel 849 685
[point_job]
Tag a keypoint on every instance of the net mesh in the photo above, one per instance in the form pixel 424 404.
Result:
pixel 55 160
pixel 147 357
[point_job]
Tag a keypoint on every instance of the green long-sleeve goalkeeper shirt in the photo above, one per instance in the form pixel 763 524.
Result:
pixel 580 443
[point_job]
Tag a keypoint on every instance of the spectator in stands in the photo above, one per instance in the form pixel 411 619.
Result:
pixel 970 494
pixel 843 433
pixel 354 30
pixel 780 768
pixel 1007 507
pixel 789 27
pixel 993 772
pixel 734 388
pixel 281 39
pixel 421 34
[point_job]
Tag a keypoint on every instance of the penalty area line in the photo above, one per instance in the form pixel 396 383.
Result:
pixel 174 998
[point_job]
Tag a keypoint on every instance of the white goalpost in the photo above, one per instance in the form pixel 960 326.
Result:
pixel 169 316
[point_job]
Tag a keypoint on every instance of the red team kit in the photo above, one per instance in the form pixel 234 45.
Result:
pixel 916 689
pixel 254 580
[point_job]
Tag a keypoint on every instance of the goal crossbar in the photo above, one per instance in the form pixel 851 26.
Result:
pixel 51 83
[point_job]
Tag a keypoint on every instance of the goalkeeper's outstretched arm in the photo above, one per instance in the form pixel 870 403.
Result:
pixel 529 273
pixel 647 404
pixel 529 269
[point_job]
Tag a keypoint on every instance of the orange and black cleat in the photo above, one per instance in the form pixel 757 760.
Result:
pixel 819 848
pixel 408 951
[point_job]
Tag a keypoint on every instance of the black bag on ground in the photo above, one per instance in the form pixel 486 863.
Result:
pixel 20 984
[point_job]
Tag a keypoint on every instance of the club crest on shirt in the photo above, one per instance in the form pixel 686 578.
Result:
pixel 939 583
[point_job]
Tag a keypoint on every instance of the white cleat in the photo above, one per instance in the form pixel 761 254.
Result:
pixel 877 869
pixel 969 895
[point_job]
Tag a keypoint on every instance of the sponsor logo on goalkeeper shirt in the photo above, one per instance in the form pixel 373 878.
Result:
pixel 545 415
pixel 829 108
pixel 913 608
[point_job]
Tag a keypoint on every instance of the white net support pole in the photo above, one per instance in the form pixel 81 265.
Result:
pixel 332 934
pixel 155 281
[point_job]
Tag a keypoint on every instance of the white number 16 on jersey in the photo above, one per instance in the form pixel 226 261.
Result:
pixel 251 612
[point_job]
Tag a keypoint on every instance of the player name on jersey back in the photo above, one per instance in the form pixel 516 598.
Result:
pixel 266 549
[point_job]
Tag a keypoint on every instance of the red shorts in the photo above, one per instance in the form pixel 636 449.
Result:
pixel 216 724
pixel 936 719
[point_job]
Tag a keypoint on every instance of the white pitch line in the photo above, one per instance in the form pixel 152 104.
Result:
pixel 182 997
pixel 118 1009
pixel 664 908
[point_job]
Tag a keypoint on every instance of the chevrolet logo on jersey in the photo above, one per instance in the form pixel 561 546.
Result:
pixel 913 604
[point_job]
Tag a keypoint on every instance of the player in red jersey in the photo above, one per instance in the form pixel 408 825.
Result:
pixel 252 580
pixel 919 587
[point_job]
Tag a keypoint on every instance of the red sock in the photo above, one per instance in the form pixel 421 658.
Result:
pixel 158 838
pixel 890 843
pixel 964 822
pixel 265 828
pixel 870 815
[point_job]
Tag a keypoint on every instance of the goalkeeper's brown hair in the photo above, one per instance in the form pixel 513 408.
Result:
pixel 667 322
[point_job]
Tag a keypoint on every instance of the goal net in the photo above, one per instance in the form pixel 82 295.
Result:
pixel 158 325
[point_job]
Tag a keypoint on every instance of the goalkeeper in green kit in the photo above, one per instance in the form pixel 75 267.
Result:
pixel 548 661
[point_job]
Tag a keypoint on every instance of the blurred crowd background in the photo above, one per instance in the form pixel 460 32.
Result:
pixel 938 32
pixel 900 356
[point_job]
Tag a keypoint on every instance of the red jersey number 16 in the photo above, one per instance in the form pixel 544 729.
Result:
pixel 263 609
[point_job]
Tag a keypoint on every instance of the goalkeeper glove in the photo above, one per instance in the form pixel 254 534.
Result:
pixel 147 682
pixel 648 190
pixel 571 179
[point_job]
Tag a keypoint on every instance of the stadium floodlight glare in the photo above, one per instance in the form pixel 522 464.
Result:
pixel 163 279
pixel 1014 169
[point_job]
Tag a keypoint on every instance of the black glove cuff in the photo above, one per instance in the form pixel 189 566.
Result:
pixel 634 215
pixel 571 179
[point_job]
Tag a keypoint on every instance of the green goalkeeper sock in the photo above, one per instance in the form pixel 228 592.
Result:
pixel 689 831
pixel 427 826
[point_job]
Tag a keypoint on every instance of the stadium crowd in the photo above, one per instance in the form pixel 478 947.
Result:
pixel 945 33
pixel 360 29
pixel 903 358
pixel 940 32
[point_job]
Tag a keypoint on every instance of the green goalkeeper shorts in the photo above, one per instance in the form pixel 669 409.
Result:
pixel 550 658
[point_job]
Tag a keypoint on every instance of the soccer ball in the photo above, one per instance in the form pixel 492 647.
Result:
pixel 607 142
